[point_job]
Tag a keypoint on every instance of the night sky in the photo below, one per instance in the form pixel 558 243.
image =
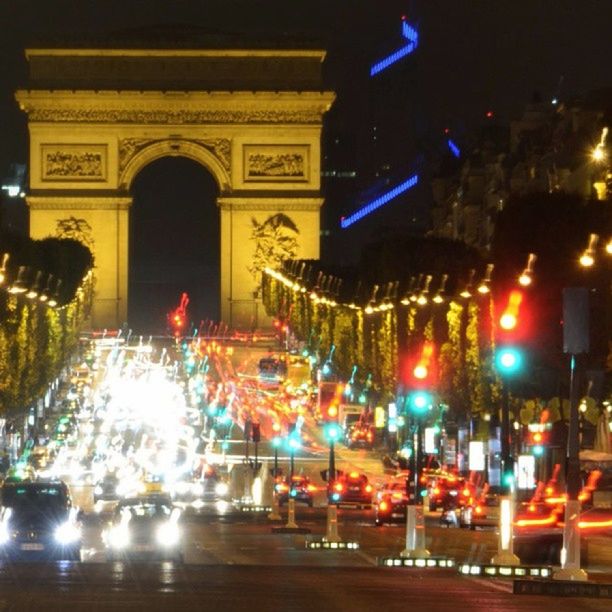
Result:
pixel 474 56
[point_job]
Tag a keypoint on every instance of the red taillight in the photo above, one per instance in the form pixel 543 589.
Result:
pixel 466 492
pixel 383 506
pixel 478 510
pixel 397 495
pixel 436 491
pixel 312 488
pixel 338 486
pixel 368 488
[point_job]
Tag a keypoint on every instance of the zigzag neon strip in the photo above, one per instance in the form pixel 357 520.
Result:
pixel 378 202
pixel 412 36
pixel 454 148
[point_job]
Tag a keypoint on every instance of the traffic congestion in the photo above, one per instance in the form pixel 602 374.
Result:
pixel 147 438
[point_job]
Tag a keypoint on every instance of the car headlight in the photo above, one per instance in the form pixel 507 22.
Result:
pixel 168 534
pixel 98 490
pixel 5 536
pixel 67 533
pixel 198 489
pixel 182 488
pixel 118 537
pixel 221 489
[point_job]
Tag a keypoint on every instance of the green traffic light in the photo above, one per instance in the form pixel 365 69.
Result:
pixel 420 401
pixel 332 432
pixel 509 360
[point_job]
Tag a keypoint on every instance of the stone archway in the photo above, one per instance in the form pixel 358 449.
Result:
pixel 252 118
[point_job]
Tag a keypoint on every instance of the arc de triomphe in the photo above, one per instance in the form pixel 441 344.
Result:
pixel 251 117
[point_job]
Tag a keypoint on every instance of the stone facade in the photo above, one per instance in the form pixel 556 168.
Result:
pixel 262 148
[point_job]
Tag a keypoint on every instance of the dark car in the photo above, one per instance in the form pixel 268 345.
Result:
pixel 144 528
pixel 360 436
pixel 350 489
pixel 392 501
pixel 106 488
pixel 481 511
pixel 450 492
pixel 38 521
pixel 298 488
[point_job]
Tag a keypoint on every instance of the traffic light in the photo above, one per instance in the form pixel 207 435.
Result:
pixel 420 401
pixel 419 369
pixel 419 377
pixel 177 318
pixel 256 432
pixel 509 354
pixel 537 438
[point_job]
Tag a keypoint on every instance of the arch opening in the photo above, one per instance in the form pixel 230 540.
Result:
pixel 174 239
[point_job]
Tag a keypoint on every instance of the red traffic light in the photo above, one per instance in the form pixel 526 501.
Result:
pixel 419 370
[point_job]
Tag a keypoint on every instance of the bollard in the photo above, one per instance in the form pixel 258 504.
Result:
pixel 415 533
pixel 331 534
pixel 291 524
pixel 275 514
pixel 505 553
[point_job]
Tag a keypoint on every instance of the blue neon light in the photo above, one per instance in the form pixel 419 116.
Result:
pixel 454 148
pixel 378 202
pixel 412 36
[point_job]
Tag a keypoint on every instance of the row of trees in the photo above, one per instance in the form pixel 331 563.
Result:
pixel 554 227
pixel 37 340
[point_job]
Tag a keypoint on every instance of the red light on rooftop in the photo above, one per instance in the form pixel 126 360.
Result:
pixel 489 114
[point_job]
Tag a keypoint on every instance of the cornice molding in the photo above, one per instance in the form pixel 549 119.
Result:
pixel 174 107
pixel 269 204
pixel 78 203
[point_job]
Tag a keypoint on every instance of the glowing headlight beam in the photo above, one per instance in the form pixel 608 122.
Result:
pixel 412 36
pixel 378 202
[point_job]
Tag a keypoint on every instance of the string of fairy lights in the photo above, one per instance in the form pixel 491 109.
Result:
pixel 37 286
pixel 421 289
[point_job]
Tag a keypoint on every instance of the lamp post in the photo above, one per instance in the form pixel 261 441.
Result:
pixel 575 342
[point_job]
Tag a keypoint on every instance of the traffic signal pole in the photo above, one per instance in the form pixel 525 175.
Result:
pixel 505 552
pixel 415 512
pixel 575 342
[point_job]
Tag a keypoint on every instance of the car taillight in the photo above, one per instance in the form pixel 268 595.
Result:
pixel 478 510
pixel 466 492
pixel 397 496
pixel 383 506
pixel 436 491
pixel 338 486
pixel 368 488
pixel 369 435
pixel 312 488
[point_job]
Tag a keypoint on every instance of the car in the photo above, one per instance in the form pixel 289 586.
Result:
pixel 296 487
pixel 144 527
pixel 360 436
pixel 449 491
pixel 480 511
pixel 350 489
pixel 208 484
pixel 392 500
pixel 107 489
pixel 39 522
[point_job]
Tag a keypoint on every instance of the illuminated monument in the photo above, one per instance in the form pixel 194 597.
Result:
pixel 251 117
